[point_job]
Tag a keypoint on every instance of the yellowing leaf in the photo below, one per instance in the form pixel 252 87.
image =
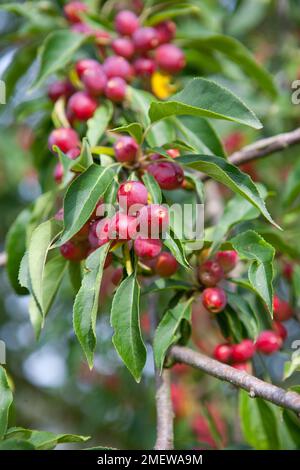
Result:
pixel 161 85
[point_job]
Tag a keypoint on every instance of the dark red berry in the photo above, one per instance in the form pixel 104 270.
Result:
pixel 166 265
pixel 73 251
pixel 214 299
pixel 210 273
pixel 168 175
pixel 282 309
pixel 144 67
pixel 132 193
pixel 99 232
pixel 122 227
pixel 288 270
pixel 243 367
pixel 227 259
pixel 94 80
pixel 268 342
pixel 145 39
pixel 243 351
pixel 73 153
pixel 85 64
pixel 82 105
pixel 83 233
pixel 117 66
pixel 60 88
pixel 153 219
pixel 222 352
pixel 64 138
pixel 147 248
pixel 73 10
pixel 169 58
pixel 126 22
pixel 123 47
pixel 116 89
pixel 117 276
pixel 280 329
pixel 126 149
pixel 165 31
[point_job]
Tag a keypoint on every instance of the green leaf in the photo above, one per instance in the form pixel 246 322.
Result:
pixel 82 197
pixel 172 11
pixel 200 134
pixel 97 125
pixel 253 247
pixel 292 425
pixel 158 134
pixel 16 444
pixel 258 422
pixel 42 238
pixel 168 330
pixel 85 159
pixel 43 440
pixel 245 313
pixel 135 129
pixel 125 321
pixel 153 188
pixel 87 302
pixel 237 53
pixel 75 275
pixel 177 249
pixel 6 399
pixel 292 187
pixel 204 98
pixel 161 284
pixel 18 67
pixel 15 247
pixel 229 175
pixel 292 366
pixel 56 52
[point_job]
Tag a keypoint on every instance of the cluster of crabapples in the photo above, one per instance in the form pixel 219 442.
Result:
pixel 267 342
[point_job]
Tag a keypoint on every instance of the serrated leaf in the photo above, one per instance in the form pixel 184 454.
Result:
pixel 204 98
pixel 56 51
pixel 6 399
pixel 251 246
pixel 229 175
pixel 97 125
pixel 82 197
pixel 135 129
pixel 167 331
pixel 87 302
pixel 125 321
pixel 15 246
pixel 153 188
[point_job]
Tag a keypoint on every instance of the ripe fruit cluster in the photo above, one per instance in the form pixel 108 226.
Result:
pixel 210 273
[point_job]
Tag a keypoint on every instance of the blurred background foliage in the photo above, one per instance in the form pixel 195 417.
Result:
pixel 54 388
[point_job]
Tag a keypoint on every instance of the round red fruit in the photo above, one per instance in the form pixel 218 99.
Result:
pixel 85 64
pixel 73 251
pixel 58 173
pixel 166 265
pixel 132 193
pixel 144 67
pixel 222 352
pixel 115 89
pixel 169 58
pixel 280 329
pixel 166 31
pixel 82 105
pixel 147 248
pixel 145 39
pixel 60 88
pixel 123 47
pixel 243 367
pixel 214 299
pixel 94 80
pixel 117 276
pixel 73 153
pixel 99 232
pixel 168 175
pixel 64 138
pixel 126 149
pixel 73 10
pixel 282 309
pixel 268 342
pixel 227 259
pixel 153 219
pixel 122 227
pixel 243 351
pixel 126 23
pixel 117 66
pixel 210 273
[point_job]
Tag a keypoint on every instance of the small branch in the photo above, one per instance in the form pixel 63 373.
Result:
pixel 265 147
pixel 3 259
pixel 255 387
pixel 164 411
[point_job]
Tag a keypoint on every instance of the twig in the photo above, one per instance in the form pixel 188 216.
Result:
pixel 265 147
pixel 255 386
pixel 164 411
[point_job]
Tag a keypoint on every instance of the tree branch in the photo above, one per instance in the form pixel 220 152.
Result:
pixel 256 387
pixel 265 147
pixel 164 412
